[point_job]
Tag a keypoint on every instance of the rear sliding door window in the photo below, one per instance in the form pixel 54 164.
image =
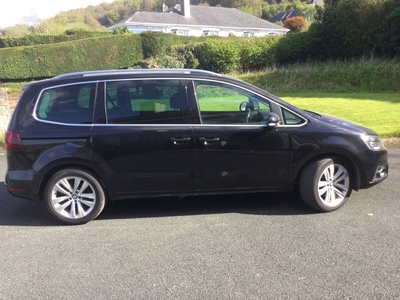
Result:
pixel 144 102
pixel 72 104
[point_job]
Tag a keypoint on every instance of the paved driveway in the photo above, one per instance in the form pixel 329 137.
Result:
pixel 256 246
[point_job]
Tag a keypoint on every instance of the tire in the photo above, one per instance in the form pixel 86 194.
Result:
pixel 74 196
pixel 325 184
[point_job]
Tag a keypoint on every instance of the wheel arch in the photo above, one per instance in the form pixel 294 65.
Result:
pixel 79 166
pixel 355 174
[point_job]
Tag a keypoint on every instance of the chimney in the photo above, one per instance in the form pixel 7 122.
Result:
pixel 164 7
pixel 185 8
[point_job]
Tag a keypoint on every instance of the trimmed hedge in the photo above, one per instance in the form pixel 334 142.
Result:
pixel 42 39
pixel 224 55
pixel 42 61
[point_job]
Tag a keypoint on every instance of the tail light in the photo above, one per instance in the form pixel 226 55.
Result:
pixel 13 141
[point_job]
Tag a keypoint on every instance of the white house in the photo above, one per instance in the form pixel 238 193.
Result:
pixel 192 20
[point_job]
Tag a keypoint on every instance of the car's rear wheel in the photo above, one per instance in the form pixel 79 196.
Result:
pixel 74 196
pixel 325 184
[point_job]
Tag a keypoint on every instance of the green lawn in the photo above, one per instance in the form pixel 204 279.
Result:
pixel 378 111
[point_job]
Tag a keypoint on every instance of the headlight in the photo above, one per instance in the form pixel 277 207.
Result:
pixel 373 142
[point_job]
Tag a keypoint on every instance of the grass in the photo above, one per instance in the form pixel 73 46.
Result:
pixel 14 89
pixel 378 111
pixel 365 75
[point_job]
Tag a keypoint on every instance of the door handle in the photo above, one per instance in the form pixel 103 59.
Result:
pixel 179 141
pixel 207 141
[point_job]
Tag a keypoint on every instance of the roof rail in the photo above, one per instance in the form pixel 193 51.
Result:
pixel 134 72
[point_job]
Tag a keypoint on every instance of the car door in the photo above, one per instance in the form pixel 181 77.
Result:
pixel 235 150
pixel 145 144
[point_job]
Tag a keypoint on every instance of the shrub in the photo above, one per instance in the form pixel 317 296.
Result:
pixel 161 61
pixel 295 24
pixel 218 55
pixel 257 53
pixel 185 54
pixel 155 43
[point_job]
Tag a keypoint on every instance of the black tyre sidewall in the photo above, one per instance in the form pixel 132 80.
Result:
pixel 309 183
pixel 100 198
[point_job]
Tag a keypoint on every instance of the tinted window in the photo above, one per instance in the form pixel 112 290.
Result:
pixel 291 118
pixel 225 104
pixel 144 102
pixel 67 104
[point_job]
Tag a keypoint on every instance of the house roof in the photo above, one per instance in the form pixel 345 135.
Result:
pixel 201 16
pixel 285 15
pixel 316 2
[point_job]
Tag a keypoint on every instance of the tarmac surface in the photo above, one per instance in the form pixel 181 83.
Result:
pixel 254 246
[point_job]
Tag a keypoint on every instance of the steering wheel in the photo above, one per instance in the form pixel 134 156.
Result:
pixel 248 116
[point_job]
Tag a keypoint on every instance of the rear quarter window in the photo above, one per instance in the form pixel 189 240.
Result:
pixel 72 104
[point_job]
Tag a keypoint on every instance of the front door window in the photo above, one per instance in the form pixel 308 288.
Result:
pixel 228 105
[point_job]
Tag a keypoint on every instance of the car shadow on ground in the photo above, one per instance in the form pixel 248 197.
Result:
pixel 252 203
pixel 21 212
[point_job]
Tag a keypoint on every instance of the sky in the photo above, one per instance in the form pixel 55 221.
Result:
pixel 13 12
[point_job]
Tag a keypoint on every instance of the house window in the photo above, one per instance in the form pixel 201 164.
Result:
pixel 180 32
pixel 248 34
pixel 140 29
pixel 210 32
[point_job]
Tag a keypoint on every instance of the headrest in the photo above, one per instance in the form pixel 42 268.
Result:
pixel 175 101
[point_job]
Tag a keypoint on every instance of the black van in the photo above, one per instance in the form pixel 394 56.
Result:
pixel 78 139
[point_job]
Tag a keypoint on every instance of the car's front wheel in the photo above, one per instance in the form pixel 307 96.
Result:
pixel 74 196
pixel 325 184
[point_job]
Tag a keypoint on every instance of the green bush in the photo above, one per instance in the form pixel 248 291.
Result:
pixel 33 62
pixel 293 48
pixel 161 61
pixel 155 43
pixel 218 55
pixel 257 53
pixel 185 54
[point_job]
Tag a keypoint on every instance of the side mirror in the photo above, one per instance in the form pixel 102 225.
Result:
pixel 273 120
pixel 243 106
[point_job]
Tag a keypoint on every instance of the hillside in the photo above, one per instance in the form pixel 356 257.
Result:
pixel 103 15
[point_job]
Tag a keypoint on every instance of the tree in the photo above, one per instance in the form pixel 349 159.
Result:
pixel 390 38
pixel 17 30
pixel 295 24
